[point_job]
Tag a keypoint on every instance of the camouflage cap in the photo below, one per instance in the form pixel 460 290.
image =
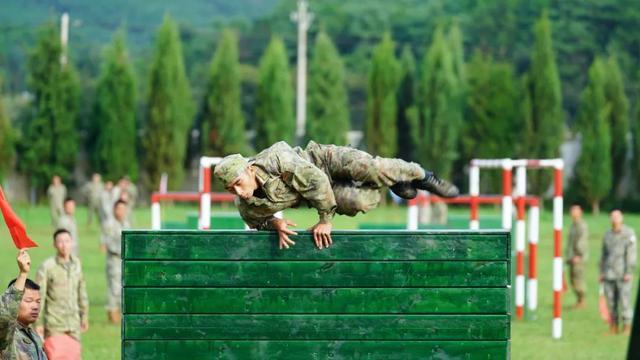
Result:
pixel 230 168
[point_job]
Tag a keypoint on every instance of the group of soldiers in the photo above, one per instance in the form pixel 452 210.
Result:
pixel 616 267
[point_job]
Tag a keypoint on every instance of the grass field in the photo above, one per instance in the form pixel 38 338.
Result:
pixel 584 331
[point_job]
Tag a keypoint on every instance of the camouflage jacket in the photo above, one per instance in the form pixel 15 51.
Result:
pixel 65 304
pixel 92 191
pixel 56 195
pixel 578 241
pixel 285 180
pixel 618 253
pixel 111 235
pixel 68 223
pixel 16 341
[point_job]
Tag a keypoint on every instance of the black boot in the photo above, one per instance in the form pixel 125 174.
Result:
pixel 436 186
pixel 405 190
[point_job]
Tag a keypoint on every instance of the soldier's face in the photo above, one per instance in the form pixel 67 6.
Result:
pixel 244 185
pixel 616 219
pixel 63 244
pixel 29 307
pixel 576 212
pixel 120 211
pixel 70 207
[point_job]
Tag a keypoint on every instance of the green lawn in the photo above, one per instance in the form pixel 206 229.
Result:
pixel 584 331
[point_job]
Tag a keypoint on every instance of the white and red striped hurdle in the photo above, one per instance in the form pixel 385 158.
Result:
pixel 521 165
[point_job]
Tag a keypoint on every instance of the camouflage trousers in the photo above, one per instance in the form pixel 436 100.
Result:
pixel 618 294
pixel 356 176
pixel 114 282
pixel 576 273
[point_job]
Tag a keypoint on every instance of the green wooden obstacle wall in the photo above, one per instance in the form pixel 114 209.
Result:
pixel 372 295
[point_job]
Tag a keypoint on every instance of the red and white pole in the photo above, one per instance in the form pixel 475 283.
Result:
pixel 557 250
pixel 534 235
pixel 412 213
pixel 507 201
pixel 521 186
pixel 474 192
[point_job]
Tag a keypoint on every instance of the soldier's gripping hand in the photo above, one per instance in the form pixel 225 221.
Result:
pixel 282 227
pixel 322 234
pixel 24 262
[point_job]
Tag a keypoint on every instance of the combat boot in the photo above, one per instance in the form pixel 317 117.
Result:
pixel 405 190
pixel 436 186
pixel 114 317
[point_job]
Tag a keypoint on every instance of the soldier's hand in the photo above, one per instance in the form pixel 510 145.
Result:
pixel 627 277
pixel 576 259
pixel 322 234
pixel 24 261
pixel 103 248
pixel 282 227
pixel 84 326
pixel 601 278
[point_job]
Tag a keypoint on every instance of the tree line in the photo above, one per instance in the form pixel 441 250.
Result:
pixel 440 110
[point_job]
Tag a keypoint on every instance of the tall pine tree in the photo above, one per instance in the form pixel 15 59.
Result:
pixel 223 124
pixel 618 119
pixel 169 109
pixel 114 118
pixel 441 108
pixel 384 76
pixel 50 143
pixel 547 122
pixel 408 126
pixel 327 102
pixel 593 174
pixel 6 141
pixel 274 101
pixel 493 121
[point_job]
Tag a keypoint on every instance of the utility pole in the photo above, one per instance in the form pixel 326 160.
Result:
pixel 64 37
pixel 303 18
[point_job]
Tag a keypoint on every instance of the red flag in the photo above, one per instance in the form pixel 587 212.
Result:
pixel 16 227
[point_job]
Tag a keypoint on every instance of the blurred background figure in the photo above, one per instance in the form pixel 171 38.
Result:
pixel 577 252
pixel 68 222
pixel 92 191
pixel 65 303
pixel 617 264
pixel 110 245
pixel 107 199
pixel 56 193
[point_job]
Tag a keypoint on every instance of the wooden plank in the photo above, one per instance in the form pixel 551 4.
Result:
pixel 243 245
pixel 315 273
pixel 337 350
pixel 316 300
pixel 316 327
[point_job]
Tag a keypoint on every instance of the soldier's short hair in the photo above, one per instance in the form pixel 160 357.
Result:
pixel 66 200
pixel 29 284
pixel 58 232
pixel 119 202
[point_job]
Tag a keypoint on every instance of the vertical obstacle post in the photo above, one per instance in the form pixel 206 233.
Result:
pixel 557 250
pixel 204 186
pixel 412 214
pixel 534 235
pixel 507 200
pixel 156 217
pixel 521 185
pixel 474 192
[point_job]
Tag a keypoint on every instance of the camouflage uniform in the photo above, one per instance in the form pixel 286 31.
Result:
pixel 56 195
pixel 68 222
pixel 618 259
pixel 16 341
pixel 328 178
pixel 93 191
pixel 107 199
pixel 111 238
pixel 578 245
pixel 65 304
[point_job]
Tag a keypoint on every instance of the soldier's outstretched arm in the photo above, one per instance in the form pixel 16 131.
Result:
pixel 314 186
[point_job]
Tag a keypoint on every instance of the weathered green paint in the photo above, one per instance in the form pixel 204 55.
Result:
pixel 316 327
pixel 335 350
pixel 227 221
pixel 390 245
pixel 316 273
pixel 372 295
pixel 316 301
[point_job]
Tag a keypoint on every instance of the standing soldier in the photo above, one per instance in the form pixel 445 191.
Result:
pixel 19 309
pixel 68 222
pixel 65 304
pixel 107 200
pixel 576 254
pixel 617 263
pixel 93 191
pixel 111 234
pixel 56 192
